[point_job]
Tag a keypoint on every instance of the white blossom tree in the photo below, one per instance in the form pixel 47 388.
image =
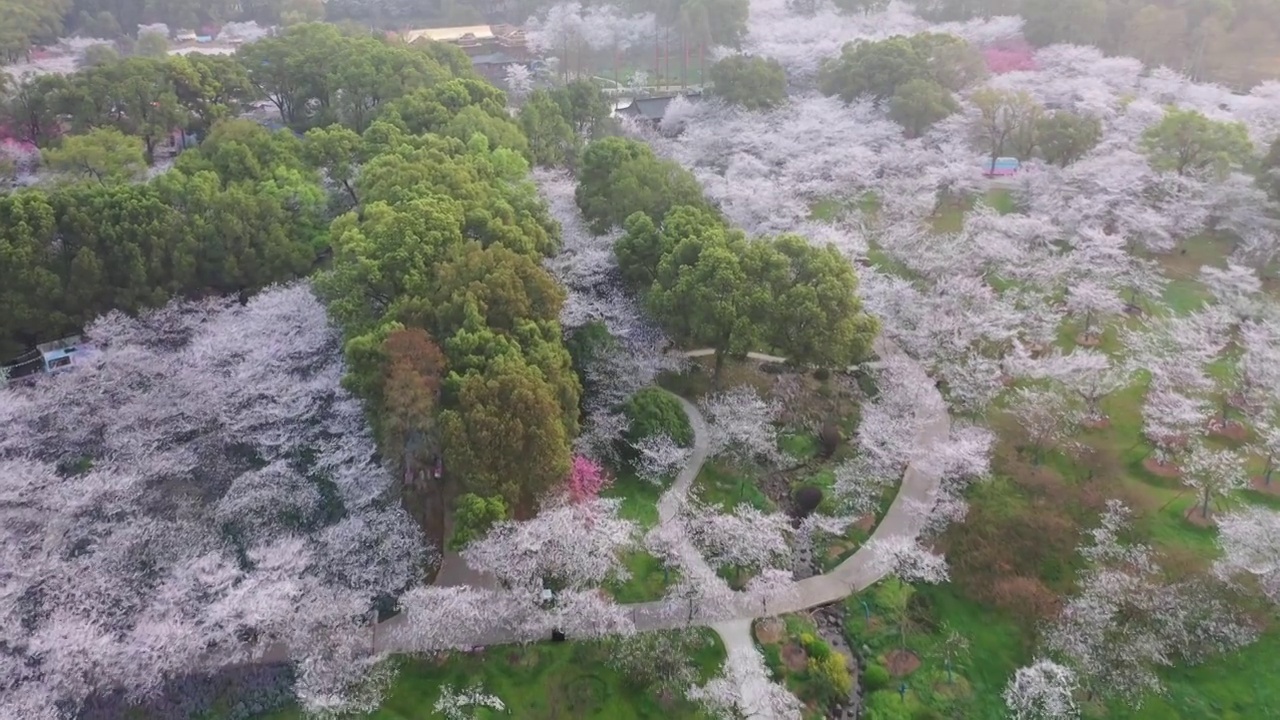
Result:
pixel 1250 540
pixel 200 491
pixel 742 425
pixel 572 545
pixel 1045 416
pixel 1213 474
pixel 1127 621
pixel 744 540
pixel 904 558
pixel 1043 690
pixel 456 704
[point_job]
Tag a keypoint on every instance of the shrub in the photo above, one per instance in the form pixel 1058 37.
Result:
pixel 807 499
pixel 655 412
pixel 814 646
pixel 875 677
pixel 821 374
pixel 886 705
pixel 831 673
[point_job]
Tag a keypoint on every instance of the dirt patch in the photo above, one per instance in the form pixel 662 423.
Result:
pixel 795 658
pixel 836 549
pixel 901 663
pixel 1089 340
pixel 1260 484
pixel 866 523
pixel 770 630
pixel 1197 518
pixel 1161 469
pixel 1232 430
pixel 957 689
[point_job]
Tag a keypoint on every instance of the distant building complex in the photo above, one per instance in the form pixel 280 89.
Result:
pixel 492 48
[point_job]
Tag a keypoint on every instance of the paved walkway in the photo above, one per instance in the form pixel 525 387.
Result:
pixel 733 623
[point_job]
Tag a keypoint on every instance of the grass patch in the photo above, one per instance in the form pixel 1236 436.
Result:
pixel 539 682
pixel 726 487
pixel 639 498
pixel 649 579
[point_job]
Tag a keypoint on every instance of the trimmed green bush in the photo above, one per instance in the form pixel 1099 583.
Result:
pixel 885 705
pixel 875 677
pixel 656 412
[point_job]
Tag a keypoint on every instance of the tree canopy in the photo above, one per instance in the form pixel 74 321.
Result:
pixel 755 83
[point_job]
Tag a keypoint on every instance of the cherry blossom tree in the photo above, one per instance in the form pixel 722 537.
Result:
pixel 1250 540
pixel 1043 690
pixel 904 558
pixel 742 425
pixel 659 458
pixel 199 491
pixel 1090 374
pixel 460 704
pixel 1213 474
pixel 1046 418
pixel 859 487
pixel 744 540
pixel 573 545
pixel 519 81
pixel 1126 621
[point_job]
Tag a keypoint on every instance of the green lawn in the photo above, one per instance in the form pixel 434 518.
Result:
pixel 721 485
pixel 639 498
pixel 537 682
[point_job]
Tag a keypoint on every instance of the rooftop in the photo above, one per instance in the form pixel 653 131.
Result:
pixel 449 34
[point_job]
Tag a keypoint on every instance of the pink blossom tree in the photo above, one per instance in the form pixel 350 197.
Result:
pixel 586 480
pixel 1010 56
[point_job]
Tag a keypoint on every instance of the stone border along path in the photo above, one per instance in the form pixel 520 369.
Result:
pixel 733 625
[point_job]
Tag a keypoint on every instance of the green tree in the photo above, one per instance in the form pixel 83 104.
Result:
pixel 1270 171
pixel 498 132
pixel 30 288
pixel 101 54
pixel 387 254
pixel 652 412
pixel 643 244
pixel 473 516
pixel 1065 137
pixel 33 107
pixel 504 435
pixel 1003 118
pixel 151 45
pixel 552 140
pixel 872 68
pixel 755 83
pixel 1080 22
pixel 920 103
pixel 619 177
pixel 1187 141
pixel 208 88
pixel 584 105
pixel 705 295
pixel 495 286
pixel 337 151
pixel 816 316
pixel 104 155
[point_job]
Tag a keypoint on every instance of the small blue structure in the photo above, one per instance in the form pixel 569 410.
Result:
pixel 62 354
pixel 1002 167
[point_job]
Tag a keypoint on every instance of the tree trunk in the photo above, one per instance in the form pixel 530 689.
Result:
pixel 715 377
pixel 1204 508
pixel 684 70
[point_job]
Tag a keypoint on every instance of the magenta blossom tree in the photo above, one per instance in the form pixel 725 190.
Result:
pixel 586 479
pixel 1009 56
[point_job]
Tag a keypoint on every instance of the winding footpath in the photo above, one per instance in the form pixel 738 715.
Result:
pixel 733 623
